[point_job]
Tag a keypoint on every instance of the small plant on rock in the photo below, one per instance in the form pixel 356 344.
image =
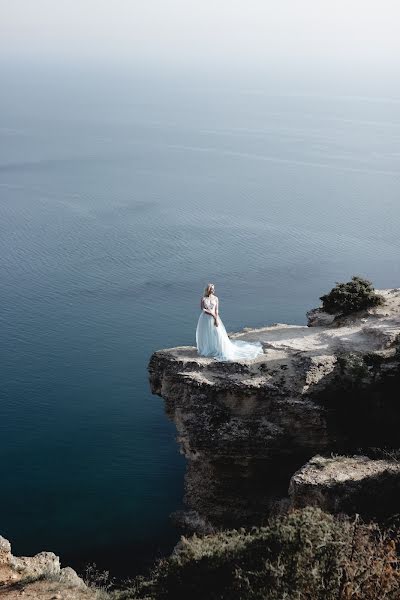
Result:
pixel 98 581
pixel 353 296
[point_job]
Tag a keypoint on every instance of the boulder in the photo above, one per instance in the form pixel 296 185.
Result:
pixel 348 484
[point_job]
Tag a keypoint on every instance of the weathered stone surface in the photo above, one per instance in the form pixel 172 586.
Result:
pixel 70 578
pixel 39 577
pixel 356 484
pixel 44 564
pixel 245 427
pixel 316 317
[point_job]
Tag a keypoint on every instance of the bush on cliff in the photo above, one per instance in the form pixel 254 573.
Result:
pixel 305 555
pixel 346 298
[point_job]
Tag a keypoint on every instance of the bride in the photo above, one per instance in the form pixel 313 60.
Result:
pixel 211 337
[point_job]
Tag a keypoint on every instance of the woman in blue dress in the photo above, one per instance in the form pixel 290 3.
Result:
pixel 211 337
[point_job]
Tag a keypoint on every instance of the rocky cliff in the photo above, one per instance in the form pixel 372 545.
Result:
pixel 246 427
pixel 39 577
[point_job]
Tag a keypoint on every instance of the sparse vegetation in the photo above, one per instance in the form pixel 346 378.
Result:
pixel 98 581
pixel 353 296
pixel 392 454
pixel 304 555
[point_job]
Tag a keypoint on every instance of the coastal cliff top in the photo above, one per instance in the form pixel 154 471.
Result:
pixel 373 330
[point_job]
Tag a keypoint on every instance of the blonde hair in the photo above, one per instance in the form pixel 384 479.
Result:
pixel 207 289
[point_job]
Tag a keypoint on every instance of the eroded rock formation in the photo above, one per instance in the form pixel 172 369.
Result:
pixel 348 484
pixel 39 576
pixel 246 427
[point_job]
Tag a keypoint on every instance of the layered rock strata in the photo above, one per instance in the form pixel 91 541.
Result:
pixel 246 427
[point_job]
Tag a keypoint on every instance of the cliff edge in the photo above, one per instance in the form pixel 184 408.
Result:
pixel 246 427
pixel 39 577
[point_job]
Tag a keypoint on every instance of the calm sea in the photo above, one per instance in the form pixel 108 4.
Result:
pixel 121 196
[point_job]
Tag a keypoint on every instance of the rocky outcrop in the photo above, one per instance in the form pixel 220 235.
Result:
pixel 246 427
pixel 316 317
pixel 348 484
pixel 39 577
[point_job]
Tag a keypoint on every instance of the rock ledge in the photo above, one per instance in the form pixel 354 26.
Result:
pixel 355 484
pixel 246 427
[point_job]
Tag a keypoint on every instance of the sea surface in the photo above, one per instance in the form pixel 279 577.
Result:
pixel 121 195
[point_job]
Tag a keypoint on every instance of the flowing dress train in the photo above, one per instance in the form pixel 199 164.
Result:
pixel 214 342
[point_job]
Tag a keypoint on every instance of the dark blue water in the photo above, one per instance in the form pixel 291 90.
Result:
pixel 121 196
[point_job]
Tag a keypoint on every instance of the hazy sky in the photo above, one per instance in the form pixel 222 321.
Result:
pixel 202 31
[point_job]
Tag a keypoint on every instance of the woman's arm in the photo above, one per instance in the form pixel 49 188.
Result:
pixel 216 311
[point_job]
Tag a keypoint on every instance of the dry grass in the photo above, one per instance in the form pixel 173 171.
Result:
pixel 304 555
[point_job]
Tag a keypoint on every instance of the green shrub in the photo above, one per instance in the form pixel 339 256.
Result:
pixel 345 298
pixel 304 555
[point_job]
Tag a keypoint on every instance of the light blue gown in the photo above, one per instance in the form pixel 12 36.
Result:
pixel 214 342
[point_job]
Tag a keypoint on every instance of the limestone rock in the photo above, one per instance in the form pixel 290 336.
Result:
pixel 316 317
pixel 5 549
pixel 70 578
pixel 246 427
pixel 44 564
pixel 355 484
pixel 39 577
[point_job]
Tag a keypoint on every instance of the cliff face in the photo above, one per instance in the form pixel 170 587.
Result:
pixel 245 427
